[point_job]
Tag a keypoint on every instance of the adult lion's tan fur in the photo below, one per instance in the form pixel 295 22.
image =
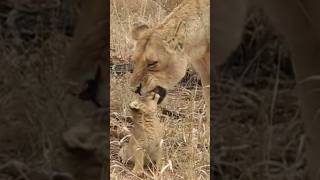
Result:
pixel 162 52
pixel 144 144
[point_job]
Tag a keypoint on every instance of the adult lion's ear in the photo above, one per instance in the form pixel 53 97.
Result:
pixel 138 30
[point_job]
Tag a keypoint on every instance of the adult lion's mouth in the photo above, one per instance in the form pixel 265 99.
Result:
pixel 158 89
pixel 138 90
pixel 162 93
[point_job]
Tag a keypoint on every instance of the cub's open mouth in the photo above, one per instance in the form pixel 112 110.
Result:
pixel 162 93
pixel 133 109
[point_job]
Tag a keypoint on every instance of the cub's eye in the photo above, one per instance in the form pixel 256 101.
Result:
pixel 152 64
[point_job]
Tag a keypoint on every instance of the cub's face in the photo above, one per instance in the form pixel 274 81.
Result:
pixel 145 104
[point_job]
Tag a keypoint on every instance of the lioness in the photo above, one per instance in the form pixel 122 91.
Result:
pixel 161 53
pixel 144 144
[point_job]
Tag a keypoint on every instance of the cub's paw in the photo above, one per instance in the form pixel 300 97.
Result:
pixel 134 106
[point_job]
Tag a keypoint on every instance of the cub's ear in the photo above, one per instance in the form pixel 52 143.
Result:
pixel 138 30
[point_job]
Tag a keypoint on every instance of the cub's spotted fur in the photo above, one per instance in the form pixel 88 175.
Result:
pixel 144 144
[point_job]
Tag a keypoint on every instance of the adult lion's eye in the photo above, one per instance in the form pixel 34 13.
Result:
pixel 152 64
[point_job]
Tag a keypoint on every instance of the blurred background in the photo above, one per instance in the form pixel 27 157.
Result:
pixel 45 133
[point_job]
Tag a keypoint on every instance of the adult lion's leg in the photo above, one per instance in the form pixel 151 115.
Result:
pixel 202 67
pixel 305 47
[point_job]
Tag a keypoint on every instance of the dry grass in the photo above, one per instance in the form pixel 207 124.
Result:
pixel 35 106
pixel 259 133
pixel 31 89
pixel 123 14
pixel 186 139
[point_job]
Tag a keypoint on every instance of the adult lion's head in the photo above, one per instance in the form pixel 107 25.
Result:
pixel 157 66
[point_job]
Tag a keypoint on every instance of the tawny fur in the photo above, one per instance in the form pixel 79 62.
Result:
pixel 144 144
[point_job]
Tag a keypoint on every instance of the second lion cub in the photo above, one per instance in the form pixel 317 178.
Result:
pixel 144 144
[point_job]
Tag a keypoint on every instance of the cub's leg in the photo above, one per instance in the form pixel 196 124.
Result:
pixel 132 153
pixel 125 154
pixel 156 156
pixel 159 159
pixel 138 160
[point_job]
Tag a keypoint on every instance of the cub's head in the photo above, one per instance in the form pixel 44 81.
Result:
pixel 157 67
pixel 145 104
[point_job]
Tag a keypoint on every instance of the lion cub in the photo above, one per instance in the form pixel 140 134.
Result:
pixel 144 144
